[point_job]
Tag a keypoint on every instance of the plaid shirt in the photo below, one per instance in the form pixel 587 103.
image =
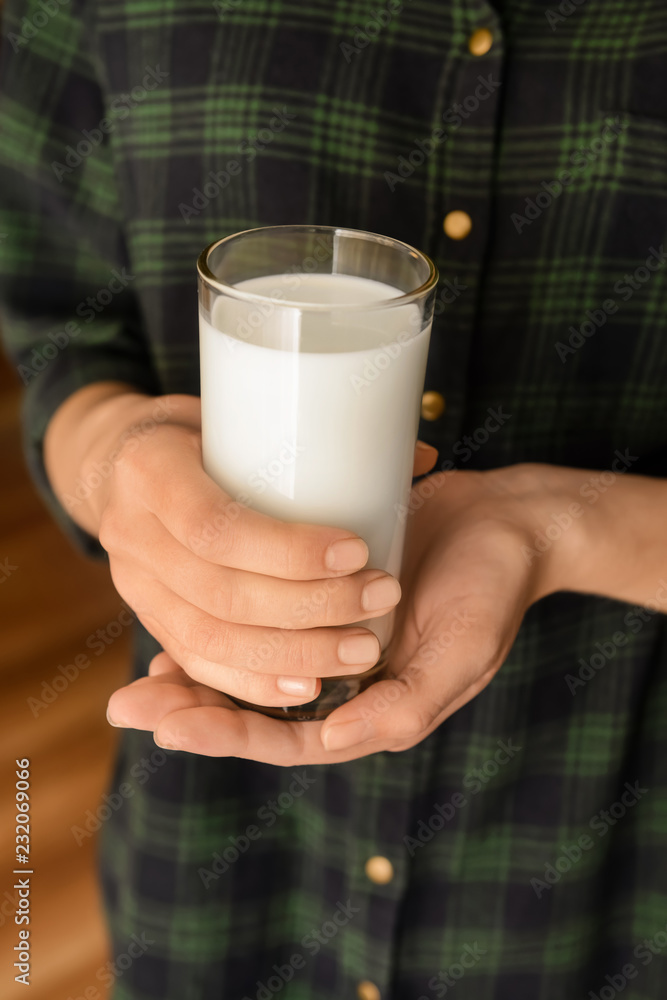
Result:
pixel 526 835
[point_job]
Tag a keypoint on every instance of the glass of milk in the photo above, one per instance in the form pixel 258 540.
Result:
pixel 313 344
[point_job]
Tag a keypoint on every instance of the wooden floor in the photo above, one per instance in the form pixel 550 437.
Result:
pixel 49 605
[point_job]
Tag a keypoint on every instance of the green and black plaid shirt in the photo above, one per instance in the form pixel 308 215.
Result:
pixel 527 835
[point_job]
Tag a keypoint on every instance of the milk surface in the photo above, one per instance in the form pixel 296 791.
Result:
pixel 313 417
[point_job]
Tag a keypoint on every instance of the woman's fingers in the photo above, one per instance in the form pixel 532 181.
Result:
pixel 425 458
pixel 222 732
pixel 146 701
pixel 259 688
pixel 196 720
pixel 163 664
pixel 311 652
pixel 246 598
pixel 187 716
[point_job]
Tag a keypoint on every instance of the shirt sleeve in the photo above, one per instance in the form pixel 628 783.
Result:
pixel 69 314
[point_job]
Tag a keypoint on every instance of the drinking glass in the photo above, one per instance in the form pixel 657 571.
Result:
pixel 313 344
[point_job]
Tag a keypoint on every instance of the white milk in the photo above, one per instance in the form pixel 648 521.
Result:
pixel 326 434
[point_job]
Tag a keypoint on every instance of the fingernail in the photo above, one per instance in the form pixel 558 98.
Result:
pixel 422 446
pixel 347 554
pixel 385 592
pixel 297 686
pixel 347 734
pixel 355 649
pixel 112 722
pixel 164 745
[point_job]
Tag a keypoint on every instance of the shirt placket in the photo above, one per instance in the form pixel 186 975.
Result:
pixel 463 207
pixel 378 869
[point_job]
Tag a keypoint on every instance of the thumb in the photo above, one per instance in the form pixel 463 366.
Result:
pixel 401 710
pixel 425 458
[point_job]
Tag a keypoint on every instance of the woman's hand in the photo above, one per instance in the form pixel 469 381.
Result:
pixel 467 582
pixel 215 582
pixel 212 580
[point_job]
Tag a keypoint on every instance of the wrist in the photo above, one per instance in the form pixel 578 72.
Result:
pixel 82 443
pixel 558 524
pixel 592 531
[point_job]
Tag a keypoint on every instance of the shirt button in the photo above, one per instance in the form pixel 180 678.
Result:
pixel 366 990
pixel 379 870
pixel 433 406
pixel 457 225
pixel 480 42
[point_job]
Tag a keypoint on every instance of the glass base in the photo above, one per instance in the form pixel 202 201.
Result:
pixel 335 692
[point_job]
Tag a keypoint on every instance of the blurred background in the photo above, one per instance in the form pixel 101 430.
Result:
pixel 52 602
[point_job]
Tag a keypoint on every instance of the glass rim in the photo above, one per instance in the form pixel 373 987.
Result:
pixel 405 298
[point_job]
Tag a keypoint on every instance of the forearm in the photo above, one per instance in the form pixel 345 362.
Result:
pixel 82 435
pixel 600 533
